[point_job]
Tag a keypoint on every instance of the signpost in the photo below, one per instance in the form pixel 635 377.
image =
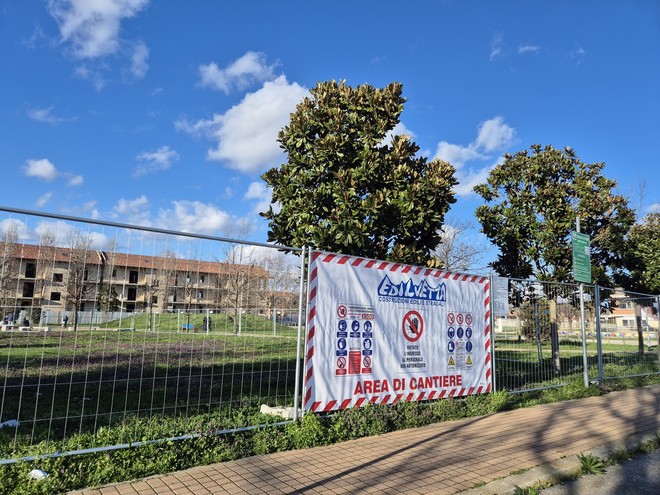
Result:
pixel 582 274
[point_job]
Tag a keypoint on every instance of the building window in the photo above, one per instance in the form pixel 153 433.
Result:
pixel 58 277
pixel 202 279
pixel 132 294
pixel 133 277
pixel 200 294
pixel 55 296
pixel 154 299
pixel 30 270
pixel 28 289
pixel 114 273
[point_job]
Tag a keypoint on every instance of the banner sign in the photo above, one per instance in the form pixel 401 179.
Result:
pixel 382 332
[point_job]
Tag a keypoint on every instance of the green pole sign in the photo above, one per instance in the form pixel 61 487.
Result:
pixel 581 258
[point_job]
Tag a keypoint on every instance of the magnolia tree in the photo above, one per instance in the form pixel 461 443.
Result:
pixel 347 188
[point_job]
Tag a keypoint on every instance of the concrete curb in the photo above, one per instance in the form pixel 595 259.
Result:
pixel 558 471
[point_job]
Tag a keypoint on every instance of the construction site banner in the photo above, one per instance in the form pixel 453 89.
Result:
pixel 383 332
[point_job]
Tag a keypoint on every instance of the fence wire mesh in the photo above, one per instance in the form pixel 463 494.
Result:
pixel 113 335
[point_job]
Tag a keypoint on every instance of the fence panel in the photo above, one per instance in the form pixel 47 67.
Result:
pixel 628 334
pixel 539 343
pixel 112 335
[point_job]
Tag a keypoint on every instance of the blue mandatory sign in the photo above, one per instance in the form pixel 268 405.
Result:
pixel 341 353
pixel 450 332
pixel 468 332
pixel 367 326
pixel 451 346
pixel 342 325
pixel 367 352
pixel 342 334
pixel 367 343
pixel 468 346
pixel 367 335
pixel 355 326
pixel 459 332
pixel 341 343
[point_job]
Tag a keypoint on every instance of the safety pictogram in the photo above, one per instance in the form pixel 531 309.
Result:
pixel 412 326
pixel 468 361
pixel 450 318
pixel 468 319
pixel 366 360
pixel 341 362
pixel 451 361
pixel 342 311
pixel 459 318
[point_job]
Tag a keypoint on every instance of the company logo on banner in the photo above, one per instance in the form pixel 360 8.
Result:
pixel 383 332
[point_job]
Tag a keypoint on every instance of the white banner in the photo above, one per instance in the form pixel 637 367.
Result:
pixel 383 332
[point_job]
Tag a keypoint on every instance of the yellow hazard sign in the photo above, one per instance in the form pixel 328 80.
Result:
pixel 451 361
pixel 468 361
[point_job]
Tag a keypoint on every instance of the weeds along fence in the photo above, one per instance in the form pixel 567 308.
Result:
pixel 113 334
pixel 543 337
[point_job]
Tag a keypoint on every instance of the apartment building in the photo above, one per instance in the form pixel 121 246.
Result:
pixel 57 279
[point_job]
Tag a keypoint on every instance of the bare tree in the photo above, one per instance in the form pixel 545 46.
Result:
pixel 456 253
pixel 239 267
pixel 8 268
pixel 166 275
pixel 78 285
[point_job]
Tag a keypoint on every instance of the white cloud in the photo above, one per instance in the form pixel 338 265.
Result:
pixel 528 49
pixel 134 211
pixel 46 116
pixel 262 194
pixel 654 208
pixel 14 226
pixel 455 154
pixel 43 199
pixel 194 216
pixel 94 76
pixel 246 134
pixel 92 26
pixel 496 47
pixel 155 161
pixel 76 180
pixel 495 135
pixel 41 169
pixel 139 55
pixel 399 130
pixel 250 69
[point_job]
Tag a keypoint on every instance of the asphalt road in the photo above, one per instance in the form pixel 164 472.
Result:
pixel 639 476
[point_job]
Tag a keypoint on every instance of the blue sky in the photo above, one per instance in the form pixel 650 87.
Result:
pixel 166 113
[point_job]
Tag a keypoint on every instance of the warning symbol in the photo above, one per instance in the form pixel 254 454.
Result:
pixel 459 318
pixel 468 319
pixel 450 318
pixel 451 361
pixel 413 326
pixel 341 362
pixel 366 360
pixel 341 311
pixel 468 361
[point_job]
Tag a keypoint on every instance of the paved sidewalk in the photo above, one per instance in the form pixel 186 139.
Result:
pixel 443 458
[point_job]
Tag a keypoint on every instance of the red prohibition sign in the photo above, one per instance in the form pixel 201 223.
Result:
pixel 468 319
pixel 413 326
pixel 450 318
pixel 341 311
pixel 341 362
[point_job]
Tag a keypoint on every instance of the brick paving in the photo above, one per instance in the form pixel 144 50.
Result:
pixel 443 458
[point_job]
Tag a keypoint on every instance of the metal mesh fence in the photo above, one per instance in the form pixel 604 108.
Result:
pixel 111 335
pixel 539 343
pixel 628 334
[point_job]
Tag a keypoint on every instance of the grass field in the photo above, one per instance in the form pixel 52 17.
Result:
pixel 59 383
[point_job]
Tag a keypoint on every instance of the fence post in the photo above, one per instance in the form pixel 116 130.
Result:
pixel 583 327
pixel 491 322
pixel 301 299
pixel 599 338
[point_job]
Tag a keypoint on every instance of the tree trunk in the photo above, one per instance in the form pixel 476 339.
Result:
pixel 640 331
pixel 554 337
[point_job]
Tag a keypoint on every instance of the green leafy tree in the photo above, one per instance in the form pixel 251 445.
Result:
pixel 643 256
pixel 345 189
pixel 532 202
